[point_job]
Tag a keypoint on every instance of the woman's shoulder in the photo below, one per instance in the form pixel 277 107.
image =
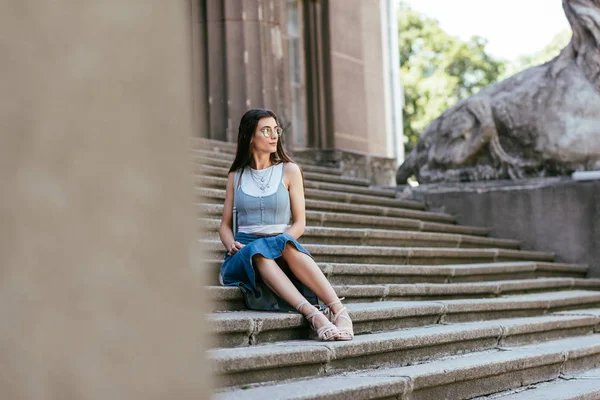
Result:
pixel 234 175
pixel 291 167
pixel 292 172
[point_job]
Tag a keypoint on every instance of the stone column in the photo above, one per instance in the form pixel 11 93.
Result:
pixel 319 104
pixel 199 67
pixel 100 294
pixel 357 85
pixel 245 58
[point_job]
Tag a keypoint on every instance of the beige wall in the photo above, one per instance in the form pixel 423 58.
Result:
pixel 100 294
pixel 357 76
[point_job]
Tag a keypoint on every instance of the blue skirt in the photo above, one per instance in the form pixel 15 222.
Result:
pixel 237 270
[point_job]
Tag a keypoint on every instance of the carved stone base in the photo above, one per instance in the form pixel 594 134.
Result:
pixel 381 171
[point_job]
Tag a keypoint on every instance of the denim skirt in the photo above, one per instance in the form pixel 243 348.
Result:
pixel 237 270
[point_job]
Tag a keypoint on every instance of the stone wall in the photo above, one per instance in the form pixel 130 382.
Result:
pixel 558 215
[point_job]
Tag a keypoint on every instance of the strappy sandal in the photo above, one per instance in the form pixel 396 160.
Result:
pixel 344 333
pixel 327 332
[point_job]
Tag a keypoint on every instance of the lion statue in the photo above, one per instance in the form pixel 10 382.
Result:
pixel 543 121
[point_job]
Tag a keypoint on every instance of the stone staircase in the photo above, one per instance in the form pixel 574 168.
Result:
pixel 440 310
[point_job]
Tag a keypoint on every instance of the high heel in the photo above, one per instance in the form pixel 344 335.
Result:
pixel 344 333
pixel 327 332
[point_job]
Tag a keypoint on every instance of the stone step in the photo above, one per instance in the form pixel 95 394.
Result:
pixel 214 146
pixel 366 274
pixel 342 220
pixel 406 255
pixel 230 298
pixel 246 327
pixel 382 211
pixel 434 291
pixel 352 198
pixel 202 169
pixel 376 274
pixel 456 377
pixel 226 149
pixel 378 237
pixel 208 157
pixel 205 181
pixel 296 359
pixel 581 386
pixel 218 195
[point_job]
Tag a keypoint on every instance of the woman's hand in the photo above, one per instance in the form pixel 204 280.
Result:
pixel 234 247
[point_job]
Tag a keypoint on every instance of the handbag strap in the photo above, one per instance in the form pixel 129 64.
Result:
pixel 236 179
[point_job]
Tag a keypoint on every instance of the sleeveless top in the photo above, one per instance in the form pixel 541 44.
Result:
pixel 266 214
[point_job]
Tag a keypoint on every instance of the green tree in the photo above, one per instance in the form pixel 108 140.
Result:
pixel 551 50
pixel 437 70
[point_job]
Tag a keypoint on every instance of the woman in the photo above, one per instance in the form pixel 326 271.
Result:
pixel 263 256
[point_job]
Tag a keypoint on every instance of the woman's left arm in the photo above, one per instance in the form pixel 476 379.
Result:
pixel 293 176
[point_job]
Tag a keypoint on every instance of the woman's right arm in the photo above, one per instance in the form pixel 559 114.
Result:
pixel 226 228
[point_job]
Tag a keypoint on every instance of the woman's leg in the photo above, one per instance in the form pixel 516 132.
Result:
pixel 282 286
pixel 309 273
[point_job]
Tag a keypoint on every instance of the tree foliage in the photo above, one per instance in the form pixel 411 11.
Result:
pixel 551 50
pixel 437 70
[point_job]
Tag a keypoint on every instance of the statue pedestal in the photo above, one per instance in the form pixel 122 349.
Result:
pixel 560 215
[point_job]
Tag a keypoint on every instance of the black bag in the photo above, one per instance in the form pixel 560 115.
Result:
pixel 265 300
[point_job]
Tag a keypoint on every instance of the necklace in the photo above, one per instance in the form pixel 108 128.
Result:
pixel 260 178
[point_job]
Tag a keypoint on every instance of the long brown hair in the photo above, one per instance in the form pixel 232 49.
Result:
pixel 248 124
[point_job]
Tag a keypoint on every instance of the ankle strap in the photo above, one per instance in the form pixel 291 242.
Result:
pixel 302 304
pixel 336 302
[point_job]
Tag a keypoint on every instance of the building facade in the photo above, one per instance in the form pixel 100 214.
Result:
pixel 328 68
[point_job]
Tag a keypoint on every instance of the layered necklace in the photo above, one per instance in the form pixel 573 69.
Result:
pixel 260 178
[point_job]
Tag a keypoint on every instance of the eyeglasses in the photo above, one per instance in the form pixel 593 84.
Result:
pixel 267 132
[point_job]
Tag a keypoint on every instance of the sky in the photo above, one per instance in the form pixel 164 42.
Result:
pixel 512 27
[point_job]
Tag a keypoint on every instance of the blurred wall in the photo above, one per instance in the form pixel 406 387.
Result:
pixel 98 295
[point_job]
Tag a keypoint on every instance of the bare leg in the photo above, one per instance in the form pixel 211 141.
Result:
pixel 281 285
pixel 309 273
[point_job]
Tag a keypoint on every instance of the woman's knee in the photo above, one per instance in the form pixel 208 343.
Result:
pixel 260 261
pixel 292 253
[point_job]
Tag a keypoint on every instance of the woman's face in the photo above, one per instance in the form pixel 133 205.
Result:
pixel 265 136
